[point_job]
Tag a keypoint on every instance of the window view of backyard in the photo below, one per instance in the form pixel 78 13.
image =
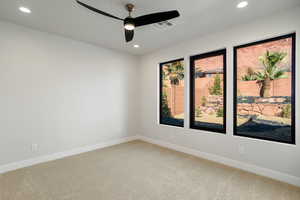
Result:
pixel 264 89
pixel 172 93
pixel 208 91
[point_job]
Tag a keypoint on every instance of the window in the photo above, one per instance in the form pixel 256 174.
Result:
pixel 264 103
pixel 172 93
pixel 208 91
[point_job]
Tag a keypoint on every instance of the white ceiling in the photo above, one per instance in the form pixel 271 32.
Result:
pixel 198 17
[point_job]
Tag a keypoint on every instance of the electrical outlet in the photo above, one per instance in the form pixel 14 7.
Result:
pixel 34 147
pixel 241 149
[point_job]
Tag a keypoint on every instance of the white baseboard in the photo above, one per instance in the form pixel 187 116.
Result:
pixel 219 159
pixel 55 156
pixel 276 175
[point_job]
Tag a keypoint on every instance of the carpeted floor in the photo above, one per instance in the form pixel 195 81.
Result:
pixel 138 171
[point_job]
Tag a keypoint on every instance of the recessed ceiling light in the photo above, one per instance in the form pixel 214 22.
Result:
pixel 24 9
pixel 242 4
pixel 136 46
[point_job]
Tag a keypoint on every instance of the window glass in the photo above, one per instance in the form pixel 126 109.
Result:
pixel 208 91
pixel 172 93
pixel 264 88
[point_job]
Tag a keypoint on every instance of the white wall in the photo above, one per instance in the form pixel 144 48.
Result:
pixel 61 94
pixel 282 158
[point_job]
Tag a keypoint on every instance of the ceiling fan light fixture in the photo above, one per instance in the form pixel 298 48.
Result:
pixel 242 4
pixel 24 9
pixel 129 24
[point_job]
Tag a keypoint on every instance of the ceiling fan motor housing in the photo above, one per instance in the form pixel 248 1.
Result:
pixel 129 7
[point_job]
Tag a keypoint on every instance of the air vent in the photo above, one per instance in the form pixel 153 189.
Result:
pixel 163 25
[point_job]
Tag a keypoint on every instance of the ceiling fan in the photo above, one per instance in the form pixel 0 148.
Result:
pixel 130 23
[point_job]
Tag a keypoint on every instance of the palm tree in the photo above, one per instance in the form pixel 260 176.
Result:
pixel 174 72
pixel 271 71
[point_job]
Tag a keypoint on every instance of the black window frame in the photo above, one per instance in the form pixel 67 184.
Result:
pixel 161 92
pixel 293 91
pixel 222 52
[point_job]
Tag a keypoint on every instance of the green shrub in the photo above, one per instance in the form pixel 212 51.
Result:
pixel 286 111
pixel 203 101
pixel 248 77
pixel 166 111
pixel 220 112
pixel 216 89
pixel 198 112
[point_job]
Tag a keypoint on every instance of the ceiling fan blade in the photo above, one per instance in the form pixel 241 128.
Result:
pixel 155 17
pixel 98 11
pixel 129 35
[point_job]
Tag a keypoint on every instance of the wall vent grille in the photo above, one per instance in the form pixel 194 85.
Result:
pixel 163 25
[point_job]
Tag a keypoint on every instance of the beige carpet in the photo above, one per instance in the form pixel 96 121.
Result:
pixel 138 171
